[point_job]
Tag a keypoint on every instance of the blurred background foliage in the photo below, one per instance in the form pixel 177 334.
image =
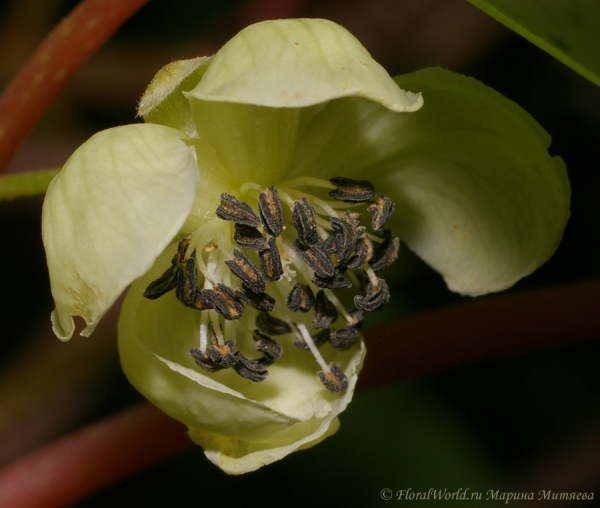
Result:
pixel 517 424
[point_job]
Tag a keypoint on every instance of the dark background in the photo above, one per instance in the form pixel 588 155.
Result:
pixel 516 424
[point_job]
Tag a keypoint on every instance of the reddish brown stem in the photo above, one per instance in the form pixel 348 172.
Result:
pixel 69 469
pixel 70 44
pixel 66 471
pixel 485 328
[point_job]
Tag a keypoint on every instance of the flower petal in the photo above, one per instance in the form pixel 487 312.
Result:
pixel 298 63
pixel 163 101
pixel 263 87
pixel 242 425
pixel 477 195
pixel 116 204
pixel 253 143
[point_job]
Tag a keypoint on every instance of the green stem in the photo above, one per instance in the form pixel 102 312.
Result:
pixel 51 66
pixel 31 183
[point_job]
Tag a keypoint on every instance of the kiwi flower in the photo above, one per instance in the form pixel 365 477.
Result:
pixel 258 210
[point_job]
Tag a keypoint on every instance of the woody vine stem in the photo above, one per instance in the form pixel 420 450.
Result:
pixel 521 320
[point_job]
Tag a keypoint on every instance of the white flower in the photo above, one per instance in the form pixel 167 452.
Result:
pixel 235 209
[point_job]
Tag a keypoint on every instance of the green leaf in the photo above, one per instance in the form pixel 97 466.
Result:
pixel 567 29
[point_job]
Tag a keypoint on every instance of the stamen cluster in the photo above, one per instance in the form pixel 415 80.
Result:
pixel 325 256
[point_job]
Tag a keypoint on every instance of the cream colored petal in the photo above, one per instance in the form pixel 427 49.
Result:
pixel 163 101
pixel 477 195
pixel 298 63
pixel 253 143
pixel 264 86
pixel 241 424
pixel 117 203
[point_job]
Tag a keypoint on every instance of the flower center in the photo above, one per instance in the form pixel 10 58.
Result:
pixel 275 272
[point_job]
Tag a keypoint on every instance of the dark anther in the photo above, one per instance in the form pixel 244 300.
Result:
pixel 165 283
pixel 203 361
pixel 270 261
pixel 346 230
pixel 300 298
pixel 343 338
pixel 216 357
pixel 253 370
pixel 187 281
pixel 258 301
pixel 187 291
pixel 330 245
pixel 382 209
pixel 356 317
pixel 352 191
pixel 248 237
pixel 228 355
pixel 375 297
pixel 225 355
pixel 270 348
pixel 246 271
pixel 303 216
pixel 316 257
pixel 334 380
pixel 271 325
pixel 338 281
pixel 363 253
pixel 271 212
pixel 386 253
pixel 319 338
pixel 324 313
pixel 168 280
pixel 237 211
pixel 224 300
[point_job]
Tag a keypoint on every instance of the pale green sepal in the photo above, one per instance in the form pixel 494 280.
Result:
pixel 242 424
pixel 117 203
pixel 477 195
pixel 237 457
pixel 569 30
pixel 483 202
pixel 296 63
pixel 163 101
pixel 253 143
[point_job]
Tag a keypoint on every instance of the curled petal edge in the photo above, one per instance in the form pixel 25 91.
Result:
pixel 117 203
pixel 294 63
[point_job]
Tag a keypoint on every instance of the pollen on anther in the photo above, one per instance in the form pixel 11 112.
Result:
pixel 270 261
pixel 382 209
pixel 386 253
pixel 270 210
pixel 334 378
pixel 352 191
pixel 248 237
pixel 324 313
pixel 237 211
pixel 243 268
pixel 303 216
pixel 300 298
pixel 271 325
